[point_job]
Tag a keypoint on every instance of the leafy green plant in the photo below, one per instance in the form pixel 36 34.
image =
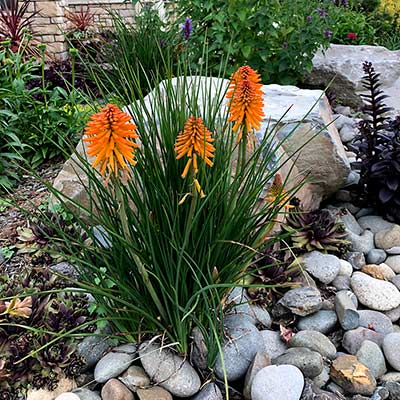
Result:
pixel 34 119
pixel 277 37
pixel 378 149
pixel 34 312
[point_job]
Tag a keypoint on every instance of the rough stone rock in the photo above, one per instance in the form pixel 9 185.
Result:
pixel 171 371
pixel 376 256
pixel 343 63
pixel 86 394
pixel 374 293
pixel 323 321
pixel 391 349
pixel 274 346
pixel 341 282
pixel 346 310
pixel 353 340
pixel 154 393
pixel 374 223
pixel 356 259
pixel 116 390
pixel 363 243
pixel 261 360
pixel 134 378
pixel 209 392
pixel 112 365
pixel 388 238
pixel 342 120
pixel 283 382
pixel 325 150
pixel 324 267
pixel 370 354
pixel 309 362
pixel 394 263
pixel 64 385
pixel 302 301
pixel 352 375
pixel 67 396
pixel 376 321
pixel 381 271
pixel 315 341
pixel 242 342
pixel 345 268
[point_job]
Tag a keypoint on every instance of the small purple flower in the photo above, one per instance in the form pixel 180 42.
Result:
pixel 328 33
pixel 163 43
pixel 187 28
pixel 345 3
pixel 321 12
pixel 285 45
pixel 309 19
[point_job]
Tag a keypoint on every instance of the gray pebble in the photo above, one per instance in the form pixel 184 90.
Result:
pixel 346 310
pixel 324 267
pixel 376 256
pixel 209 392
pixel 323 321
pixel 302 301
pixel 391 349
pixel 374 223
pixel 242 343
pixel 112 365
pixel 356 259
pixel 361 243
pixel 341 282
pixel 370 354
pixel 376 321
pixel 273 344
pixel 309 362
pixel 352 340
pixel 315 341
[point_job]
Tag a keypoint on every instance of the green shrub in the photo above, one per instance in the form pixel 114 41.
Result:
pixel 37 118
pixel 277 37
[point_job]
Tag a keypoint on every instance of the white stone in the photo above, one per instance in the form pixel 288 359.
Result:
pixel 375 293
pixel 345 268
pixel 283 382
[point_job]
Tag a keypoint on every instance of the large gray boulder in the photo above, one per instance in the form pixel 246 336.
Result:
pixel 306 114
pixel 344 64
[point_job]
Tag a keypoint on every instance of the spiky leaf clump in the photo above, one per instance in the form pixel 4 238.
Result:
pixel 28 320
pixel 315 230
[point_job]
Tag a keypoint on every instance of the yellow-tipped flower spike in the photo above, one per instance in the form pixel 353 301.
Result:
pixel 277 194
pixel 109 135
pixel 195 140
pixel 245 100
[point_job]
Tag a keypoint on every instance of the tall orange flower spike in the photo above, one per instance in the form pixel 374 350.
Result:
pixel 109 136
pixel 195 140
pixel 245 100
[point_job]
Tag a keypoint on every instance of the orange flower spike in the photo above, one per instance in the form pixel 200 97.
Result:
pixel 243 73
pixel 195 141
pixel 109 135
pixel 246 100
